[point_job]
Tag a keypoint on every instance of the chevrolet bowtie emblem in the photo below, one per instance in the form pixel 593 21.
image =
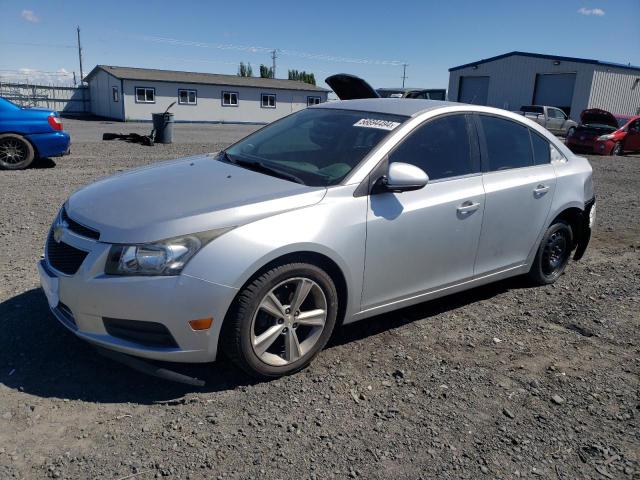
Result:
pixel 58 230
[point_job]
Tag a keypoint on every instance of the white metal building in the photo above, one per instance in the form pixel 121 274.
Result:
pixel 572 84
pixel 124 93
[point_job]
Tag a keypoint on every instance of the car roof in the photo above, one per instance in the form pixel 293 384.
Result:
pixel 394 106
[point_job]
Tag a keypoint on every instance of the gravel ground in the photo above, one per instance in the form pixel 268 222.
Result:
pixel 504 381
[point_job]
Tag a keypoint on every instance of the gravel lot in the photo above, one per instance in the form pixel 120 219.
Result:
pixel 504 381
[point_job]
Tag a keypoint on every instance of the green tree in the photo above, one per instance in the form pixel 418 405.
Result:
pixel 245 70
pixel 302 76
pixel 266 72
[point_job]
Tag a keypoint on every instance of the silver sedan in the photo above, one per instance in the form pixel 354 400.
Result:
pixel 331 215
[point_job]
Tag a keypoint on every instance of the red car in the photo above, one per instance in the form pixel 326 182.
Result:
pixel 606 134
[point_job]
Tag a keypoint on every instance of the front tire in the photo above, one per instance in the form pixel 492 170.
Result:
pixel 617 149
pixel 553 254
pixel 281 320
pixel 16 153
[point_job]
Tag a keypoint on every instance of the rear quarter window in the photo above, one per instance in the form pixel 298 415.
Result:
pixel 541 149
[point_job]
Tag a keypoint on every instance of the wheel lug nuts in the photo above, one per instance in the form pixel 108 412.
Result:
pixel 280 321
pixel 296 314
pixel 295 325
pixel 287 311
pixel 285 330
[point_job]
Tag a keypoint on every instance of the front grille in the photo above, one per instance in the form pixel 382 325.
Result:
pixel 64 257
pixel 150 334
pixel 79 229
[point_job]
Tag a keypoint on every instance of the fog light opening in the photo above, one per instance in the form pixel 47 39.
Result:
pixel 201 323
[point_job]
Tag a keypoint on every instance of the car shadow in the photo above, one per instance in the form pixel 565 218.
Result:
pixel 398 318
pixel 42 163
pixel 40 357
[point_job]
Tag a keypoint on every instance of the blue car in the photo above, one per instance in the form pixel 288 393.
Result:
pixel 29 133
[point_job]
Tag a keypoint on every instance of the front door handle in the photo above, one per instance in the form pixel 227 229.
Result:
pixel 468 207
pixel 541 189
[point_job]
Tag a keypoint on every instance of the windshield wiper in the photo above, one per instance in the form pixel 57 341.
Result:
pixel 258 166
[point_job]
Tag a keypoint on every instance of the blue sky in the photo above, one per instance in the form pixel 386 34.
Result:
pixel 366 38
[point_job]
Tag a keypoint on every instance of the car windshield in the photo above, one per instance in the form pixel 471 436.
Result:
pixel 390 93
pixel 316 147
pixel 622 121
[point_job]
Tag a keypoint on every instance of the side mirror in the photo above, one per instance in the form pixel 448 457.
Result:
pixel 402 177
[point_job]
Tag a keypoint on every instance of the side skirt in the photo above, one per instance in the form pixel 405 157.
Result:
pixel 440 292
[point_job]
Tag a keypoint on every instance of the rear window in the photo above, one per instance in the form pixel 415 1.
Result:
pixel 531 109
pixel 508 144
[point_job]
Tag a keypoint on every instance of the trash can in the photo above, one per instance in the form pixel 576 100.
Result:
pixel 163 126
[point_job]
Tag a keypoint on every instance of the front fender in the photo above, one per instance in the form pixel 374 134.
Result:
pixel 335 228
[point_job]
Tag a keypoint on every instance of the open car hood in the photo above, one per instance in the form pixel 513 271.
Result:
pixel 350 87
pixel 596 116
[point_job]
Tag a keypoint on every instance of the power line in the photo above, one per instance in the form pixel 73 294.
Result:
pixel 260 49
pixel 36 72
pixel 23 44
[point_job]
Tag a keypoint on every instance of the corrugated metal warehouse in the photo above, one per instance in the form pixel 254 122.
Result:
pixel 124 93
pixel 573 84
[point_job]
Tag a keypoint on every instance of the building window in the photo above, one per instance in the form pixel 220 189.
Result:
pixel 313 101
pixel 115 94
pixel 229 99
pixel 145 95
pixel 187 97
pixel 268 100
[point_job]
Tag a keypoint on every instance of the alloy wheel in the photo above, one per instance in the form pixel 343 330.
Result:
pixel 617 149
pixel 555 253
pixel 12 151
pixel 288 321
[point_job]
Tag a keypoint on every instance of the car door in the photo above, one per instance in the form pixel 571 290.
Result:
pixel 631 140
pixel 518 191
pixel 555 120
pixel 425 239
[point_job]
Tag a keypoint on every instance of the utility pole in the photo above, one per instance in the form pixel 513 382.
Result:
pixel 80 56
pixel 404 73
pixel 274 54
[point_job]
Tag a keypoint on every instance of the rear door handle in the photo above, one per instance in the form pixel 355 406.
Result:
pixel 541 189
pixel 468 207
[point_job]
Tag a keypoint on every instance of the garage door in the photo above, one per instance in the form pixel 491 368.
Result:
pixel 473 90
pixel 555 90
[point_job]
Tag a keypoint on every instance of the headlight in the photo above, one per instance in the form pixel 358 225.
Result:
pixel 166 257
pixel 609 136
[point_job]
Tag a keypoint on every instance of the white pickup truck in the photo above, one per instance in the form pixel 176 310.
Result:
pixel 551 118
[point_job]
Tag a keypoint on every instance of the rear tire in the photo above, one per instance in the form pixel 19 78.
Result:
pixel 617 149
pixel 16 153
pixel 553 254
pixel 280 321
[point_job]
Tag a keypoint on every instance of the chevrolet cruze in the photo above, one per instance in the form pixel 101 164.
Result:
pixel 328 216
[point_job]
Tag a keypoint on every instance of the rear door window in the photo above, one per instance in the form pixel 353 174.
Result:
pixel 507 144
pixel 541 149
pixel 440 147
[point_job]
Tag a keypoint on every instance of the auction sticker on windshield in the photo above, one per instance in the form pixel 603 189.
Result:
pixel 376 123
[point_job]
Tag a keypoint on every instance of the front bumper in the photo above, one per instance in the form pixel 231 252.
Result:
pixel 53 144
pixel 82 302
pixel 603 147
pixel 580 145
